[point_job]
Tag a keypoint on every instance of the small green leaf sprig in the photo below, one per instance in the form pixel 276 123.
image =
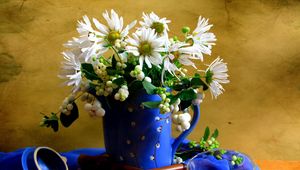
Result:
pixel 208 143
pixel 236 160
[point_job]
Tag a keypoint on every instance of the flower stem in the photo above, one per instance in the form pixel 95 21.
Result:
pixel 118 56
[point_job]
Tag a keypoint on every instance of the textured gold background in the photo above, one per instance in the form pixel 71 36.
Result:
pixel 260 40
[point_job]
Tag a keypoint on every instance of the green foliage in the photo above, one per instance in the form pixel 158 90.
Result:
pixel 151 105
pixel 236 160
pixel 215 134
pixel 50 121
pixel 208 76
pixel 113 62
pixel 134 86
pixel 67 120
pixel 155 74
pixel 196 82
pixel 187 95
pixel 185 83
pixel 208 143
pixel 88 71
pixel 150 88
pixel 206 134
pixel 119 81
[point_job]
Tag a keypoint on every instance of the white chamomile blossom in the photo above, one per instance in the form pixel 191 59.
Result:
pixel 202 39
pixel 115 30
pixel 71 70
pixel 89 43
pixel 95 42
pixel 181 52
pixel 160 25
pixel 216 73
pixel 147 46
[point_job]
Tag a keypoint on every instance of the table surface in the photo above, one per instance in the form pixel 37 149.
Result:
pixel 278 165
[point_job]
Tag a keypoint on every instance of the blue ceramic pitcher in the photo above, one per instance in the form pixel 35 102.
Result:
pixel 139 136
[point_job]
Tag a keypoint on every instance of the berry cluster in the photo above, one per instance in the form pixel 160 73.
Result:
pixel 236 160
pixel 138 73
pixel 122 94
pixel 177 160
pixel 100 70
pixel 182 119
pixel 67 105
pixel 92 106
pixel 164 105
pixel 175 106
pixel 120 44
pixel 210 144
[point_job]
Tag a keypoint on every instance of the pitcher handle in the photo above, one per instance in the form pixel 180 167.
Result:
pixel 185 133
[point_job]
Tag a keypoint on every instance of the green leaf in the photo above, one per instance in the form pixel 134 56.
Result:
pixel 185 104
pixel 178 87
pixel 206 134
pixel 112 71
pixel 67 120
pixel 119 81
pixel 150 88
pixel 113 61
pixel 151 105
pixel 172 98
pixel 54 125
pixel 177 64
pixel 184 83
pixel 51 121
pixel 205 87
pixel 197 82
pixel 215 134
pixel 134 86
pixel 196 75
pixel 88 71
pixel 187 95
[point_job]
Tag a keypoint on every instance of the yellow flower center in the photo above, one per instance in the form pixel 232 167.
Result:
pixel 113 36
pixel 145 48
pixel 159 27
pixel 176 55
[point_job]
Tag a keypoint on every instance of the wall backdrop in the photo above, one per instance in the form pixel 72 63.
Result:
pixel 259 113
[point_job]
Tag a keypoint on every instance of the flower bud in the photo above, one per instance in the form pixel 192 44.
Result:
pixel 185 30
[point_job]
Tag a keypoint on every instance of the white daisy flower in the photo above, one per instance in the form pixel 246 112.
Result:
pixel 89 42
pixel 115 30
pixel 147 46
pixel 96 42
pixel 160 25
pixel 181 52
pixel 216 73
pixel 71 70
pixel 202 39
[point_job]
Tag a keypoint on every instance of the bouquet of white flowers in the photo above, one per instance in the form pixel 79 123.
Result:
pixel 111 62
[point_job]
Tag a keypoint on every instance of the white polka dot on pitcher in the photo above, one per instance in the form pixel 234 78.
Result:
pixel 152 157
pixel 157 145
pixel 159 129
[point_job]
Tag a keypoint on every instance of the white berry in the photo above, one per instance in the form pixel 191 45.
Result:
pixel 88 107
